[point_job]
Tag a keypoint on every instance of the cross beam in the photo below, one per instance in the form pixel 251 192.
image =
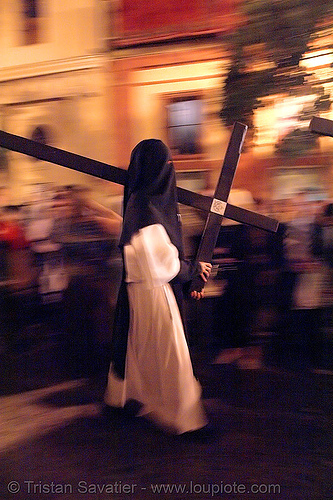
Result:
pixel 217 207
pixel 118 175
pixel 321 126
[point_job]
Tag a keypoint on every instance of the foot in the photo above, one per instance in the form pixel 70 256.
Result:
pixel 203 435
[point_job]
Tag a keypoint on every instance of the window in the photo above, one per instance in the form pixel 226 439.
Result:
pixel 184 119
pixel 30 16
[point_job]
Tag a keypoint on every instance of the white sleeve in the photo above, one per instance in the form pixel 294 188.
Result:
pixel 159 261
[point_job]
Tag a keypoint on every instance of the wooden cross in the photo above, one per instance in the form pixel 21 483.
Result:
pixel 321 126
pixel 217 207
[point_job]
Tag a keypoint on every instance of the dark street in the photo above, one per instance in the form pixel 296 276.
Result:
pixel 272 436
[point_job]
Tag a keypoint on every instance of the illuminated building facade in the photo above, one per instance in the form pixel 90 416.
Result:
pixel 98 76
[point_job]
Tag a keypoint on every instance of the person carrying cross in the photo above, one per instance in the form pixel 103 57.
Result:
pixel 150 361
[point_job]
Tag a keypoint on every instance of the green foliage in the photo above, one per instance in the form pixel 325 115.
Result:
pixel 284 26
pixel 281 30
pixel 242 92
pixel 296 143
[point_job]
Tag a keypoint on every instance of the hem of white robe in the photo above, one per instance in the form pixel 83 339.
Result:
pixel 194 419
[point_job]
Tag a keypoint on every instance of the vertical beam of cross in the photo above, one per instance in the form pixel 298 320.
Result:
pixel 220 200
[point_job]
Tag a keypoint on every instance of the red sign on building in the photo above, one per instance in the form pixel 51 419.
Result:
pixel 167 18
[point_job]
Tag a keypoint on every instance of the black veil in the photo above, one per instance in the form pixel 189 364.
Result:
pixel 150 197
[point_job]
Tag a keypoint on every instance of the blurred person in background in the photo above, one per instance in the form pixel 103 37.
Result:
pixel 16 274
pixel 151 365
pixel 87 232
pixel 323 246
pixel 74 209
pixel 324 226
pixel 299 341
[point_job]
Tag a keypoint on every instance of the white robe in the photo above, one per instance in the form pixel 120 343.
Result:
pixel 158 371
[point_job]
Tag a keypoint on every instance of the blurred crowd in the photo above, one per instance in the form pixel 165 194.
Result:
pixel 59 258
pixel 277 288
pixel 59 266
